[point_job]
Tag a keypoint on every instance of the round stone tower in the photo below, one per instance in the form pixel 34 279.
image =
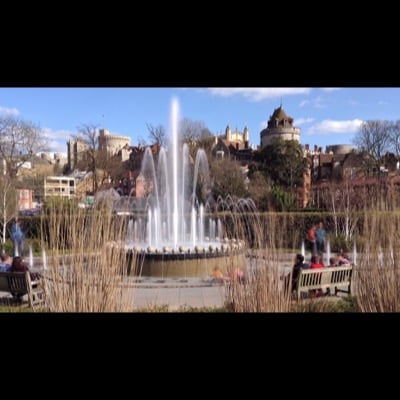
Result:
pixel 281 126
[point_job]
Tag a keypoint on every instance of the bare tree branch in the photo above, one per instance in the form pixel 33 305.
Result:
pixel 373 138
pixel 88 134
pixel 20 140
pixel 157 134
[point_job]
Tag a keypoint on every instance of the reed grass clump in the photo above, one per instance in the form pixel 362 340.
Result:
pixel 85 271
pixel 376 277
pixel 377 273
pixel 262 288
pixel 88 271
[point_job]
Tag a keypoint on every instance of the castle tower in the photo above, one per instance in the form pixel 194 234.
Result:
pixel 281 126
pixel 112 143
pixel 246 134
pixel 228 133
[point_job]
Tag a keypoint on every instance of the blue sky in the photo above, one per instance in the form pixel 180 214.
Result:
pixel 325 115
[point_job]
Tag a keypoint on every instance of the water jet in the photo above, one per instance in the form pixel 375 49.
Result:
pixel 178 234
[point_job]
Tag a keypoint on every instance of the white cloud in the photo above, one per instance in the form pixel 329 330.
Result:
pixel 258 94
pixel 317 102
pixel 9 111
pixel 57 140
pixel 330 89
pixel 304 103
pixel 329 126
pixel 302 121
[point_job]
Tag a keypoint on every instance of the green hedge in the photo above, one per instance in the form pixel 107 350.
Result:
pixel 285 229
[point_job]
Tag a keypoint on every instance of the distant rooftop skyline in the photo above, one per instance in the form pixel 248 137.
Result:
pixel 326 116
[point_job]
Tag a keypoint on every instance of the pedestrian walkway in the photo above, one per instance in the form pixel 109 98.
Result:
pixel 171 295
pixel 178 296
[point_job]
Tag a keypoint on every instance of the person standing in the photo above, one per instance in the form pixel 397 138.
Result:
pixel 320 234
pixel 312 239
pixel 18 238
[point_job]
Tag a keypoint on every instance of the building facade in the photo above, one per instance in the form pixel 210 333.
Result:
pixel 61 186
pixel 76 151
pixel 233 144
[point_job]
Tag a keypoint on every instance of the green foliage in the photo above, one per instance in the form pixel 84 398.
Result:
pixel 228 179
pixel 8 247
pixel 259 189
pixel 282 200
pixel 190 309
pixel 15 308
pixel 347 304
pixel 163 308
pixel 296 224
pixel 283 162
pixel 36 245
pixel 339 243
pixel 31 226
pixel 326 304
pixel 58 204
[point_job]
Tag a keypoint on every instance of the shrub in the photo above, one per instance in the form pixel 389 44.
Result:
pixel 339 243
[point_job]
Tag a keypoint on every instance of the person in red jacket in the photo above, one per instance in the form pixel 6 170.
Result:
pixel 312 239
pixel 316 263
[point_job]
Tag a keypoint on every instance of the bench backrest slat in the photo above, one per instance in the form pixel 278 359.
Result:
pixel 14 281
pixel 323 277
pixel 20 283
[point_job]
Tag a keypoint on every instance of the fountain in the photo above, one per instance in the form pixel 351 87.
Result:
pixel 177 234
pixel 328 252
pixel 303 249
pixel 30 257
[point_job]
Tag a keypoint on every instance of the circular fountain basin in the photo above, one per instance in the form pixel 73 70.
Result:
pixel 182 263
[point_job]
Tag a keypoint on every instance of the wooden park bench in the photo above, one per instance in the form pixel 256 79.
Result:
pixel 20 284
pixel 338 278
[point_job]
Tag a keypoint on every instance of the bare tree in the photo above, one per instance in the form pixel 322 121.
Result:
pixel 196 135
pixel 344 202
pixel 8 207
pixel 373 138
pixel 157 134
pixel 395 137
pixel 112 167
pixel 192 131
pixel 20 140
pixel 88 134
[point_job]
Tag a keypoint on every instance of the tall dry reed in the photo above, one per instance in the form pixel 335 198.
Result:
pixel 262 289
pixel 85 272
pixel 377 273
